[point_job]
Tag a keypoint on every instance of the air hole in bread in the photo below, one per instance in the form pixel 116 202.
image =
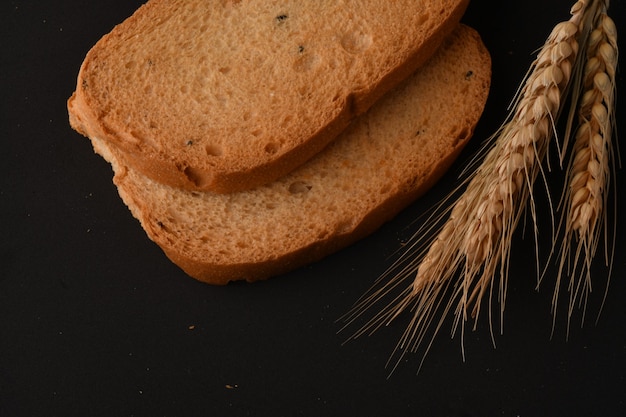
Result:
pixel 286 120
pixel 224 70
pixel 223 252
pixel 271 148
pixel 163 227
pixel 213 150
pixel 173 216
pixel 344 226
pixel 137 136
pixel 195 176
pixel 356 42
pixel 306 62
pixel 422 19
pixel 322 235
pixel 463 134
pixel 299 187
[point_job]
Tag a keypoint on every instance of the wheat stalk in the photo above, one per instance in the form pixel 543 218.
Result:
pixel 589 170
pixel 473 245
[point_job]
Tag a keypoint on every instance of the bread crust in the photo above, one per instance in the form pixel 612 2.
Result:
pixel 241 161
pixel 221 274
pixel 408 140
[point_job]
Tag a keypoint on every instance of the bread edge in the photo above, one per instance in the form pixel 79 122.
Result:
pixel 177 173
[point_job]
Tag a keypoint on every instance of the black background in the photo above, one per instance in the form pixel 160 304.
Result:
pixel 95 321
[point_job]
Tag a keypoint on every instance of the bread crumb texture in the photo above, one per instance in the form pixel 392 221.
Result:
pixel 383 161
pixel 222 95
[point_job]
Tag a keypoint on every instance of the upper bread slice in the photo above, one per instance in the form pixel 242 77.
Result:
pixel 225 95
pixel 382 162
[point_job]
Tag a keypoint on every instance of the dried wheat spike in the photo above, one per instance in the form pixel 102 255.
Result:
pixel 590 167
pixel 460 264
pixel 499 191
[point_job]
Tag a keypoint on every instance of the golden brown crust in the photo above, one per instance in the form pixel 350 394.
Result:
pixel 408 140
pixel 94 110
pixel 222 274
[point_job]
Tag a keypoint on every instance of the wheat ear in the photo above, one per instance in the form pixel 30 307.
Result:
pixel 473 245
pixel 588 178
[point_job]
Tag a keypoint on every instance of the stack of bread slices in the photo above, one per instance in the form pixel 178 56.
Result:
pixel 251 138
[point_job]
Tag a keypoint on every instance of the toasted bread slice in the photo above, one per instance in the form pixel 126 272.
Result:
pixel 226 95
pixel 386 159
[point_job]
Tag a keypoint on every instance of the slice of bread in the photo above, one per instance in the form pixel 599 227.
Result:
pixel 225 95
pixel 382 162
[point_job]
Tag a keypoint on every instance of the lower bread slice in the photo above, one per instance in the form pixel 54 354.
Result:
pixel 385 160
